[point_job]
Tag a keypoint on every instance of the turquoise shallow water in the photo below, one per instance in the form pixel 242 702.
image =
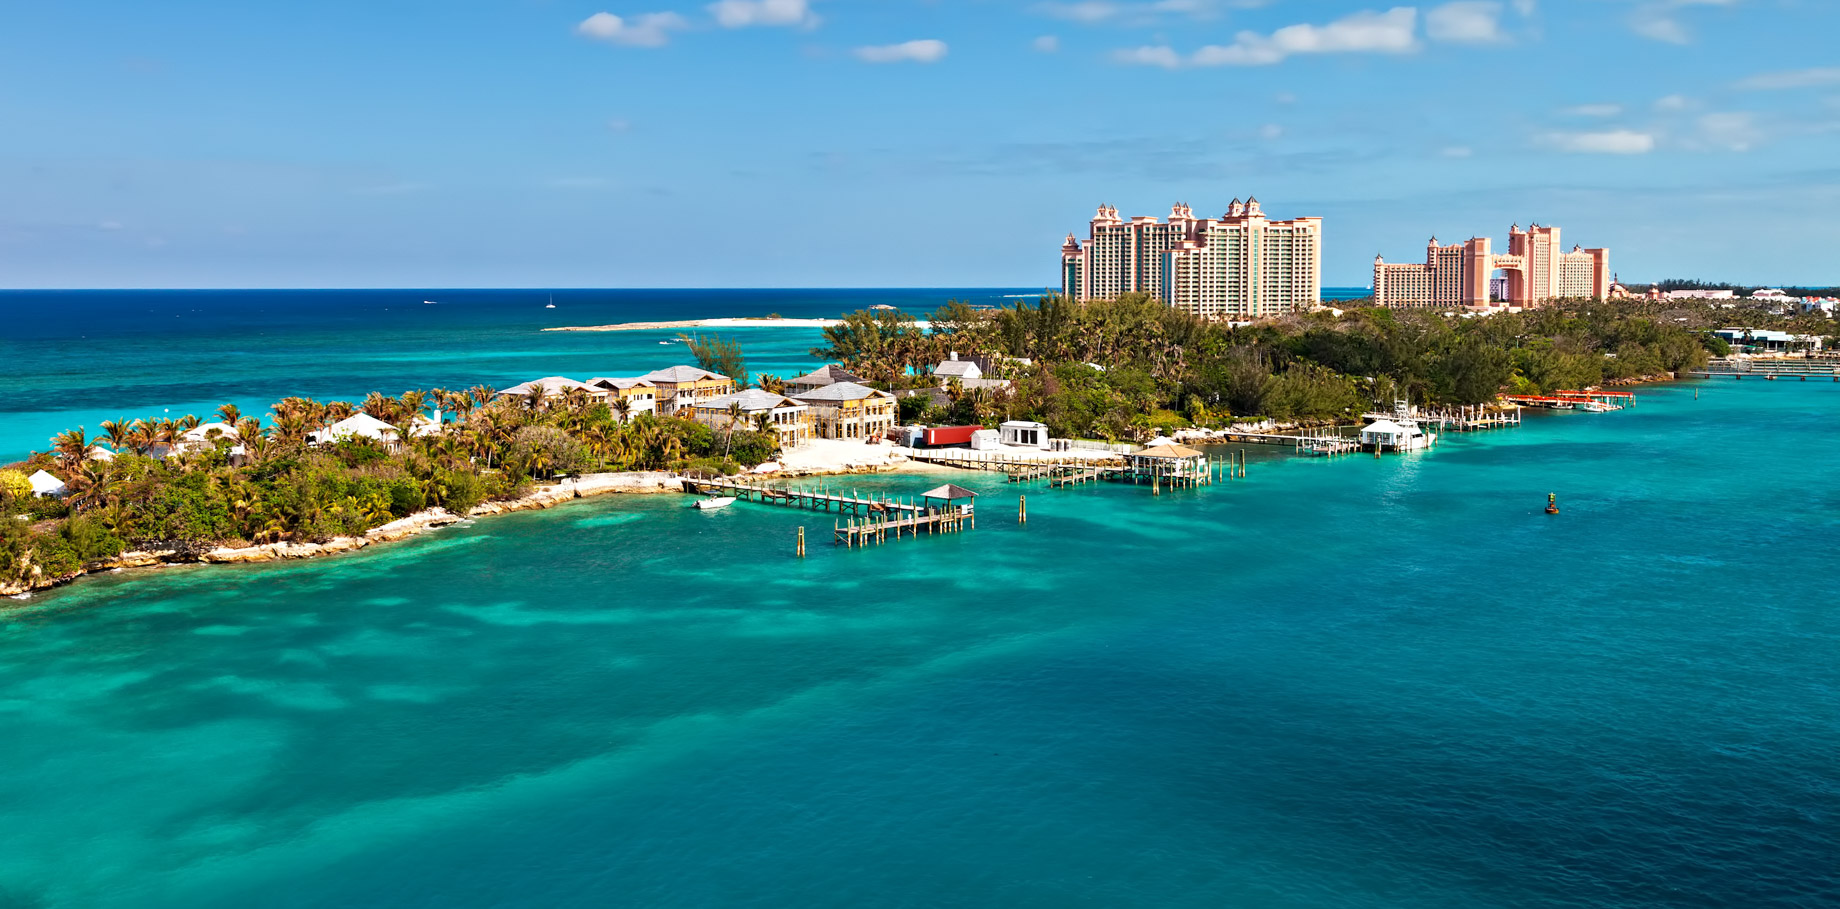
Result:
pixel 1350 683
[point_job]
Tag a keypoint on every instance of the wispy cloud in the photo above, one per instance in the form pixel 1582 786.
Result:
pixel 1466 22
pixel 1145 12
pixel 1606 142
pixel 1673 103
pixel 1046 44
pixel 745 13
pixel 926 50
pixel 1659 20
pixel 1727 131
pixel 643 30
pixel 1391 32
pixel 1816 77
pixel 1593 110
pixel 402 188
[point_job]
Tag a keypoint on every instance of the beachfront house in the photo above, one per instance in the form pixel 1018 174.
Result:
pixel 356 427
pixel 829 375
pixel 848 410
pixel 551 388
pixel 786 418
pixel 954 368
pixel 44 483
pixel 683 388
pixel 640 395
pixel 1024 433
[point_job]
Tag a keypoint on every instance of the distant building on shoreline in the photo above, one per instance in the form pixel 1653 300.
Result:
pixel 1535 269
pixel 1239 266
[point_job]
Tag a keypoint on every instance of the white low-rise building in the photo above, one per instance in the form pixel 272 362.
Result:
pixel 1024 433
pixel 356 426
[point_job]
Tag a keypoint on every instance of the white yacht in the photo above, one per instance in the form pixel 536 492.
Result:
pixel 1397 431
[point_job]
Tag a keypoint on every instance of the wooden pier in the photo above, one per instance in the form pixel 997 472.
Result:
pixel 813 499
pixel 1032 468
pixel 855 532
pixel 1770 370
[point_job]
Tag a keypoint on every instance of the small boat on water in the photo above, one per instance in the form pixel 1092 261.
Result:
pixel 1596 406
pixel 429 303
pixel 714 502
pixel 1398 431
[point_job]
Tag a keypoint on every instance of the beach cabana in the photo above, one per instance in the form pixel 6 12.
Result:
pixel 1168 462
pixel 44 483
pixel 950 497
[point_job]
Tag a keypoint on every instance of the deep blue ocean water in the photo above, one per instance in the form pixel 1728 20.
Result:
pixel 1336 683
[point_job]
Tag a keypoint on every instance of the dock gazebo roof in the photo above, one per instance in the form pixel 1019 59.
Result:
pixel 949 492
pixel 1179 452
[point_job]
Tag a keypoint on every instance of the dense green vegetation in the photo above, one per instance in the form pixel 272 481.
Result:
pixel 141 484
pixel 1129 367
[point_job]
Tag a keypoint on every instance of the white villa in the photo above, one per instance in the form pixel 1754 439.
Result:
pixel 357 426
pixel 44 483
pixel 955 368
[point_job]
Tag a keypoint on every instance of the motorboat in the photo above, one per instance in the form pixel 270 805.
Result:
pixel 714 502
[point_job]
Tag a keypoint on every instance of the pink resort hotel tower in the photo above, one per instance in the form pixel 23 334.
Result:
pixel 1239 266
pixel 1535 268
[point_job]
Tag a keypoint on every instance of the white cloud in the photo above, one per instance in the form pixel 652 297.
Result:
pixel 618 125
pixel 1658 20
pixel 1593 110
pixel 1526 7
pixel 1731 131
pixel 1800 78
pixel 1150 55
pixel 1271 131
pixel 1092 12
pixel 1046 44
pixel 923 51
pixel 1607 142
pixel 1673 103
pixel 1391 32
pixel 643 30
pixel 1466 22
pixel 1457 151
pixel 744 13
pixel 1659 25
pixel 109 225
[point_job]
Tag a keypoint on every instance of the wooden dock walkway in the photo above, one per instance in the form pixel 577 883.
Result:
pixel 813 499
pixel 1770 370
pixel 854 533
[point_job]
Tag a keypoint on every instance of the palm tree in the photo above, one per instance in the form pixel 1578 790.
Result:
pixel 334 412
pixel 72 447
pixel 622 407
pixel 187 422
pixel 116 432
pixel 734 417
pixel 229 413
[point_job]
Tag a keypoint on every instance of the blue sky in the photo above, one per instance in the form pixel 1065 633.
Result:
pixel 893 143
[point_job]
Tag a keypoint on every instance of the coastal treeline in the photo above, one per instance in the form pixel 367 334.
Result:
pixel 161 485
pixel 1123 367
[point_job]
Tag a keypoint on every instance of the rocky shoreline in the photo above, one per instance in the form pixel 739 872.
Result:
pixel 632 483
